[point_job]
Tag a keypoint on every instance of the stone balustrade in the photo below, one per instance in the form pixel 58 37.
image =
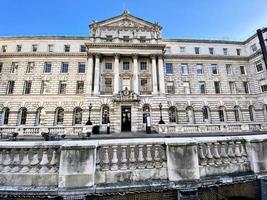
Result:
pixel 84 167
pixel 204 128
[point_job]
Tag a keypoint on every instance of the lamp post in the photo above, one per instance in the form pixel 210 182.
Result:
pixel 89 117
pixel 160 109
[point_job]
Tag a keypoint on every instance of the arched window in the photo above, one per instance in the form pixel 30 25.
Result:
pixel 173 114
pixel 22 116
pixel 4 116
pixel 38 117
pixel 105 115
pixel 77 116
pixel 146 110
pixel 222 114
pixel 251 111
pixel 190 115
pixel 206 114
pixel 59 116
pixel 237 113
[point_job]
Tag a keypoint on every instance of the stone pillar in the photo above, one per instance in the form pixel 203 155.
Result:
pixel 161 76
pixel 89 74
pixel 116 74
pixel 135 74
pixel 97 75
pixel 154 76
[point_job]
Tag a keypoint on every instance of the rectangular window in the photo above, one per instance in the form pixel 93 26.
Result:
pixel 242 70
pixel 34 48
pixel 108 85
pixel 47 67
pixel 232 87
pixel 253 48
pixel 246 87
pixel 143 66
pixel 80 87
pixel 1 67
pixel 50 48
pixel 144 85
pixel 82 48
pixel 217 87
pixel 169 68
pixel 126 65
pixel 238 52
pixel 170 87
pixel 4 48
pixel 109 38
pixel 14 67
pixel 197 50
pixel 64 67
pixel 27 87
pixel 142 39
pixel 184 69
pixel 182 50
pixel 62 87
pixel 225 51
pixel 81 68
pixel 201 87
pixel 259 67
pixel 126 39
pixel 229 70
pixel 199 69
pixel 211 50
pixel 186 87
pixel 263 84
pixel 45 84
pixel 19 47
pixel 10 87
pixel 30 67
pixel 66 48
pixel 108 66
pixel 214 69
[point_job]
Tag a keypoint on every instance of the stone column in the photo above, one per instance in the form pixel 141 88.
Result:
pixel 161 76
pixel 154 75
pixel 89 74
pixel 116 74
pixel 97 75
pixel 135 74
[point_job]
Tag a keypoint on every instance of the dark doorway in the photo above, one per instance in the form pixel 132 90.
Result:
pixel 125 118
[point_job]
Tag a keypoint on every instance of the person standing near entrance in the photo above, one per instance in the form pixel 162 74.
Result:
pixel 148 123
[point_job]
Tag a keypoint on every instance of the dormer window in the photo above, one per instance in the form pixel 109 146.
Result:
pixel 34 48
pixel 4 47
pixel 82 48
pixel 109 38
pixel 19 47
pixel 142 39
pixel 197 50
pixel 126 38
pixel 50 48
pixel 67 48
pixel 225 51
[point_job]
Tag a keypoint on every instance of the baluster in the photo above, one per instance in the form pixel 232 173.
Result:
pixel 114 161
pixel 98 158
pixel 34 161
pixel 231 152
pixel 141 157
pixel 237 151
pixel 223 153
pixel 202 157
pixel 123 157
pixel 149 164
pixel 1 159
pixel 209 154
pixel 53 162
pixel 244 154
pixel 7 160
pixel 16 161
pixel 44 162
pixel 163 157
pixel 216 153
pixel 25 161
pixel 156 156
pixel 105 159
pixel 132 157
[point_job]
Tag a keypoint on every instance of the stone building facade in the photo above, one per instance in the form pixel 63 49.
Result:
pixel 125 71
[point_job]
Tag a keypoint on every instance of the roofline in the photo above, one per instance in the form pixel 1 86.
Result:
pixel 203 41
pixel 44 37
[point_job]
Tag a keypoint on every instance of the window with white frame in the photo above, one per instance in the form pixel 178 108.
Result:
pixel 246 87
pixel 82 48
pixel 225 51
pixel 81 68
pixel 108 85
pixel 126 65
pixel 64 67
pixel 214 69
pixel 201 87
pixel 10 87
pixel 197 50
pixel 50 48
pixel 253 48
pixel 169 68
pixel 34 48
pixel 263 85
pixel 30 67
pixel 229 69
pixel 199 69
pixel 27 87
pixel 80 87
pixel 77 116
pixel 14 67
pixel 184 69
pixel 66 48
pixel 143 66
pixel 105 115
pixel 217 87
pixel 232 87
pixel 211 51
pixel 4 48
pixel 22 116
pixel 238 52
pixel 259 67
pixel 170 87
pixel 62 87
pixel 59 116
pixel 47 67
pixel 19 47
pixel 186 87
pixel 243 70
pixel 108 66
pixel 173 115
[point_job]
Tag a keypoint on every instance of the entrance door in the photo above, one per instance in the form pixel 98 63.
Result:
pixel 126 119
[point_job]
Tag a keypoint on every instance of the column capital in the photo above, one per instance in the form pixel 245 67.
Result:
pixel 153 56
pixel 135 55
pixel 97 55
pixel 117 55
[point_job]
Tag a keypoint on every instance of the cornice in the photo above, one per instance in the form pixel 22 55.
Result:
pixel 203 41
pixel 44 37
pixel 44 54
pixel 126 45
pixel 207 57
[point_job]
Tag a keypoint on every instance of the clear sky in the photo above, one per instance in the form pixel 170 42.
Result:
pixel 203 19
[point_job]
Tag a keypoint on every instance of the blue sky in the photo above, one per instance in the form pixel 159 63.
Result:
pixel 204 19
